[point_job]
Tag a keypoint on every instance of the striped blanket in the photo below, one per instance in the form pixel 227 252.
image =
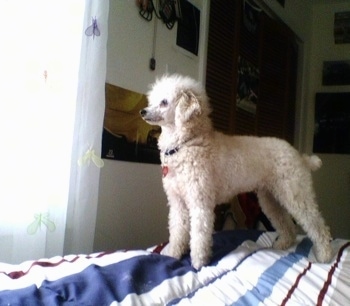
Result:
pixel 244 270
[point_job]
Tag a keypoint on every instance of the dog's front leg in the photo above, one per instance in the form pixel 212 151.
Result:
pixel 202 226
pixel 179 230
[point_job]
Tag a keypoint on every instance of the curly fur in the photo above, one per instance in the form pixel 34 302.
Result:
pixel 207 167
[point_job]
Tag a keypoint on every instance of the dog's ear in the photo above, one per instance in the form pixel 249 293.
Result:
pixel 188 106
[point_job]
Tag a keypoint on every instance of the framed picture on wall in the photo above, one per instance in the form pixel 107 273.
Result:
pixel 336 73
pixel 125 135
pixel 188 28
pixel 332 123
pixel 247 86
pixel 342 27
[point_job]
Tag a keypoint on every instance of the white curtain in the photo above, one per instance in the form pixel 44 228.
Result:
pixel 52 75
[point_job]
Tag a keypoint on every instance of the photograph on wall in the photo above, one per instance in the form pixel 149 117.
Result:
pixel 251 17
pixel 126 136
pixel 247 86
pixel 188 28
pixel 342 27
pixel 336 73
pixel 332 123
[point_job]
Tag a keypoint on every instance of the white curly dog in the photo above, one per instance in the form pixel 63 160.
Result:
pixel 202 168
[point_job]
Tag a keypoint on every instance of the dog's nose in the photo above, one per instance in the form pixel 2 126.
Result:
pixel 143 112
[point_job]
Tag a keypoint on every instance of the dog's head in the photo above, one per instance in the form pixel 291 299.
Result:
pixel 174 100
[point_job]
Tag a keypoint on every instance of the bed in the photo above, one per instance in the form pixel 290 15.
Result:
pixel 244 270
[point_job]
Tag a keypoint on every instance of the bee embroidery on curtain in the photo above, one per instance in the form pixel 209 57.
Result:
pixel 45 75
pixel 41 219
pixel 93 29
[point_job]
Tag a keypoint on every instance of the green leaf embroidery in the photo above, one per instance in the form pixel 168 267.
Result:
pixel 89 156
pixel 41 219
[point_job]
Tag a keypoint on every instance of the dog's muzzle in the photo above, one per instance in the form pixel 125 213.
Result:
pixel 143 112
pixel 150 117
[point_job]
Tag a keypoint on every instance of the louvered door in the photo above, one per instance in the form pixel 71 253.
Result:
pixel 277 62
pixel 221 62
pixel 272 49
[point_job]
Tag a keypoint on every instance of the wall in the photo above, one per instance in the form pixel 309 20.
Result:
pixel 130 40
pixel 132 210
pixel 332 181
pixel 296 14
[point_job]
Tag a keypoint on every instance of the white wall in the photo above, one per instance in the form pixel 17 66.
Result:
pixel 332 181
pixel 296 14
pixel 132 210
pixel 130 40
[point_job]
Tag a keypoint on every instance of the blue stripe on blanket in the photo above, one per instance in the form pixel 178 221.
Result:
pixel 100 285
pixel 272 275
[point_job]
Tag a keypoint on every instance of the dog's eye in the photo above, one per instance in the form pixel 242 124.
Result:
pixel 164 102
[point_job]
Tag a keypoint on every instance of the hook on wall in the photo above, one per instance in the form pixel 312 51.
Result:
pixel 167 10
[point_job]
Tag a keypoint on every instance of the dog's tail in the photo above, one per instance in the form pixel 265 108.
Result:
pixel 313 162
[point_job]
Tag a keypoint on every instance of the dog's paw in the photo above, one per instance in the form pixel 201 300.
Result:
pixel 198 263
pixel 283 242
pixel 200 260
pixel 324 254
pixel 173 251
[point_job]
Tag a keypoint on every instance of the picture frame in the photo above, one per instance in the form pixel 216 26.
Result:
pixel 342 27
pixel 126 136
pixel 336 73
pixel 332 123
pixel 247 86
pixel 188 28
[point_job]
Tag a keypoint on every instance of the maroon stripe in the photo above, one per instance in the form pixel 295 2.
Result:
pixel 159 247
pixel 99 255
pixel 330 275
pixel 46 264
pixel 292 289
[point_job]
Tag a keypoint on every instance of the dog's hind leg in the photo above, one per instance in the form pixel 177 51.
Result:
pixel 298 198
pixel 279 218
pixel 179 229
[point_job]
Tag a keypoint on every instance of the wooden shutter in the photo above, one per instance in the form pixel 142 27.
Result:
pixel 275 111
pixel 273 50
pixel 221 62
pixel 289 127
pixel 245 122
